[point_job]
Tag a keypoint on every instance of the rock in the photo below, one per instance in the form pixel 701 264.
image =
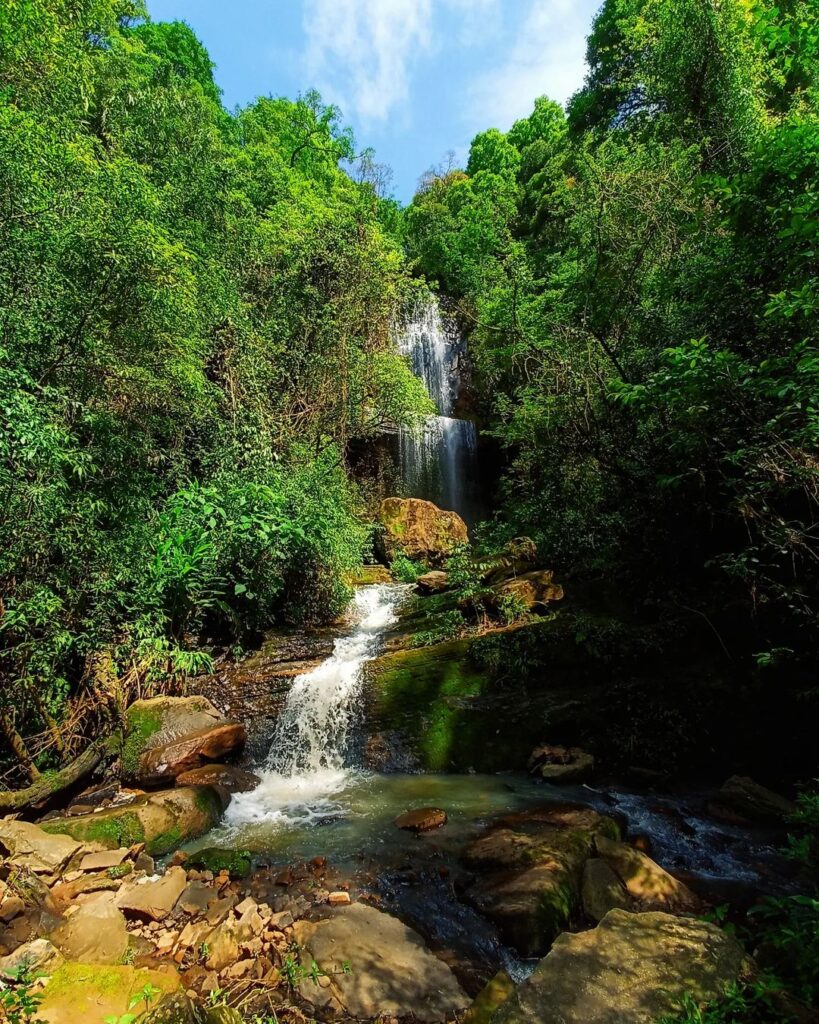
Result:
pixel 234 780
pixel 219 910
pixel 419 530
pixel 223 1015
pixel 339 898
pixel 163 763
pixel 518 555
pixel 630 969
pixel 95 934
pixel 370 575
pixel 104 859
pixel 434 582
pixel 193 934
pixel 530 868
pixel 236 863
pixel 11 907
pixel 393 973
pixel 421 820
pixel 158 720
pixel 159 820
pixel 223 945
pixel 152 900
pixel 32 847
pixel 533 590
pixel 176 1008
pixel 36 957
pixel 601 890
pixel 492 995
pixel 649 885
pixel 561 764
pixel 282 920
pixel 92 992
pixel 196 898
pixel 748 798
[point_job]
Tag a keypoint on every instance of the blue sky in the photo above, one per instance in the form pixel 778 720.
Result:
pixel 414 78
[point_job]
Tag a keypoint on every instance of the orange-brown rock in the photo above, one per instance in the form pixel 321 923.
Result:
pixel 169 760
pixel 534 590
pixel 234 780
pixel 421 820
pixel 419 530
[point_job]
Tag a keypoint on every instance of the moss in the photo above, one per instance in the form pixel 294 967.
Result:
pixel 142 724
pixel 208 803
pixel 111 830
pixel 120 870
pixel 79 992
pixel 554 908
pixel 165 842
pixel 236 862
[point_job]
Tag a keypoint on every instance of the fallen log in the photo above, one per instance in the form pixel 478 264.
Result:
pixel 49 785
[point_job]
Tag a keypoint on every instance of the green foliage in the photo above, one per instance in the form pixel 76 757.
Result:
pixel 446 626
pixel 17 1000
pixel 405 569
pixel 754 1002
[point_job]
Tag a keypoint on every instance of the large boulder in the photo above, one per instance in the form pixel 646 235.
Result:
pixel 95 933
pixel 559 764
pixel 751 800
pixel 163 821
pixel 649 886
pixel 392 972
pixel 28 846
pixel 630 969
pixel 530 868
pixel 533 591
pixel 234 780
pixel 419 530
pixel 601 890
pixel 166 736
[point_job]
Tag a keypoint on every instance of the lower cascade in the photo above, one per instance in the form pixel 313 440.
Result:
pixel 309 755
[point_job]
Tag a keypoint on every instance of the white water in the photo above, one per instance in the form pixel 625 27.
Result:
pixel 439 458
pixel 309 759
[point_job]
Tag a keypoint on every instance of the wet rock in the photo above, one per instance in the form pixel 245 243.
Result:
pixel 630 969
pixel 163 763
pixel 234 780
pixel 393 973
pixel 95 934
pixel 92 992
pixel 561 764
pixel 530 868
pixel 746 797
pixel 36 957
pixel 649 885
pixel 601 890
pixel 419 530
pixel 434 582
pixel 493 995
pixel 421 820
pixel 158 720
pixel 152 900
pixel 159 820
pixel 29 846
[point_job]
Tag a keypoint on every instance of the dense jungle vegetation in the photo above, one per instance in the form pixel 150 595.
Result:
pixel 196 309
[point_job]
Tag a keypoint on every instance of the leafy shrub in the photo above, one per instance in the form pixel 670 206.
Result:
pixel 447 626
pixel 405 569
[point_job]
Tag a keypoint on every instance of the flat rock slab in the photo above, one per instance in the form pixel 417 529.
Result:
pixel 630 969
pixel 234 780
pixel 152 900
pixel 89 993
pixel 29 846
pixel 392 971
pixel 166 762
pixel 421 820
pixel 104 859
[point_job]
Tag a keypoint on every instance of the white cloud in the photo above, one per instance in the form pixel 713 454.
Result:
pixel 546 56
pixel 360 52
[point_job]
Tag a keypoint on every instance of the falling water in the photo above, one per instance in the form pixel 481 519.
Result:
pixel 309 759
pixel 439 458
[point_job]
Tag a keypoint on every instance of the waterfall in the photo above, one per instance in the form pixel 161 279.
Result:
pixel 309 758
pixel 438 460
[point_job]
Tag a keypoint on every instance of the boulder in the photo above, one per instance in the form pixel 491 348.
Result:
pixel 160 820
pixel 36 957
pixel 750 800
pixel 93 992
pixel 393 973
pixel 421 820
pixel 237 863
pixel 533 590
pixel 561 764
pixel 35 848
pixel 95 933
pixel 223 945
pixel 630 969
pixel 433 582
pixel 649 885
pixel 601 890
pixel 530 867
pixel 152 899
pixel 234 780
pixel 165 722
pixel 419 530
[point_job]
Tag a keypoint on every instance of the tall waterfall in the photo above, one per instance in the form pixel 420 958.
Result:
pixel 439 459
pixel 309 759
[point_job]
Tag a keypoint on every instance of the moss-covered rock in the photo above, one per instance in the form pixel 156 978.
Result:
pixel 236 862
pixel 419 530
pixel 93 992
pixel 160 820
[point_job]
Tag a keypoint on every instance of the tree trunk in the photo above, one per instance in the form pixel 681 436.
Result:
pixel 18 745
pixel 46 786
